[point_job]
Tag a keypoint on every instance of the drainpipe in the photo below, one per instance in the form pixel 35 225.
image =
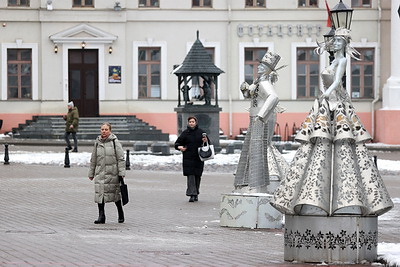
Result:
pixel 228 82
pixel 378 76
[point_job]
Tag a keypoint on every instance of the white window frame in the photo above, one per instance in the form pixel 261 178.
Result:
pixel 364 44
pixel 35 79
pixel 242 48
pixel 322 64
pixel 163 65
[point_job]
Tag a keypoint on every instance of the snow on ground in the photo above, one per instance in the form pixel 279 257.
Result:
pixel 82 159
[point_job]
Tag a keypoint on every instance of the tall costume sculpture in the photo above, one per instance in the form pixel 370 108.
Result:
pixel 332 188
pixel 260 161
pixel 260 166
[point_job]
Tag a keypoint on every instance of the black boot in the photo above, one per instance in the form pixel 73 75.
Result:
pixel 102 216
pixel 121 217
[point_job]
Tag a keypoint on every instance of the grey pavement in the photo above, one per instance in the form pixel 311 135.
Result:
pixel 47 214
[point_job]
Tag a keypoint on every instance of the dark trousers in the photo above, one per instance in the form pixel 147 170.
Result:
pixel 66 137
pixel 193 185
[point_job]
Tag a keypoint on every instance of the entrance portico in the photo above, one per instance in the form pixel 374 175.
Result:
pixel 83 82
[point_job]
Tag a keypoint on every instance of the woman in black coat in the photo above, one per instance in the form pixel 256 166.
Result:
pixel 188 143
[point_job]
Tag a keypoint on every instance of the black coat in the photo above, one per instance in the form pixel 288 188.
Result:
pixel 191 139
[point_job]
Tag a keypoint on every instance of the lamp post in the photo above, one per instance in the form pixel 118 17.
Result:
pixel 328 43
pixel 341 16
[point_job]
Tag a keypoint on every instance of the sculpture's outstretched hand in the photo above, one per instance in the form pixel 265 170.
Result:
pixel 244 86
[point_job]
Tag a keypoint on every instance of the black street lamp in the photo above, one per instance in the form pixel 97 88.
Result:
pixel 341 16
pixel 328 43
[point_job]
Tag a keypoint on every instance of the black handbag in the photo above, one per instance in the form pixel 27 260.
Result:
pixel 206 151
pixel 123 186
pixel 124 191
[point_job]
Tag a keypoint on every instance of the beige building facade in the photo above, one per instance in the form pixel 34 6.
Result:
pixel 117 57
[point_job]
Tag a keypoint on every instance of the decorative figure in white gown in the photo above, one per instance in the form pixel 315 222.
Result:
pixel 260 161
pixel 332 172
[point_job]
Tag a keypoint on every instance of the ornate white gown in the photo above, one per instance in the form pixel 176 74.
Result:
pixel 332 172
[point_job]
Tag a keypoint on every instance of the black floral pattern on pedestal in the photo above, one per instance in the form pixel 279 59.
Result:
pixel 328 240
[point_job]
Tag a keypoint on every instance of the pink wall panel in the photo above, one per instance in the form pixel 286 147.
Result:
pixel 387 127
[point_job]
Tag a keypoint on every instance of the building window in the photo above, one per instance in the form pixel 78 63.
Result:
pixel 83 3
pixel 360 3
pixel 308 3
pixel 252 58
pixel 18 2
pixel 307 73
pixel 149 60
pixel 362 74
pixel 201 3
pixel 149 3
pixel 255 3
pixel 19 73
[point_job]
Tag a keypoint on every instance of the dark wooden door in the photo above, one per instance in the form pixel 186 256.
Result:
pixel 83 80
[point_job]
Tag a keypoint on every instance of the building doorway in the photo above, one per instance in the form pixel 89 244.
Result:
pixel 83 81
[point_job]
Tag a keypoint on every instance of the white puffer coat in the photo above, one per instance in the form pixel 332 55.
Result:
pixel 105 170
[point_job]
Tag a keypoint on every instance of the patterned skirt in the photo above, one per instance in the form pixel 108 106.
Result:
pixel 259 159
pixel 332 172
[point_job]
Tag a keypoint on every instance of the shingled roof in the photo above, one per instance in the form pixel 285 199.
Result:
pixel 197 61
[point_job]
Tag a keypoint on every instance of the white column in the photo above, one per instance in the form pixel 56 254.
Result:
pixel 391 90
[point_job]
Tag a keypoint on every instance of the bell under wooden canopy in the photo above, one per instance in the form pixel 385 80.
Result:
pixel 197 62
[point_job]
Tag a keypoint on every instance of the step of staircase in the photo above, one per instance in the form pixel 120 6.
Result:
pixel 125 127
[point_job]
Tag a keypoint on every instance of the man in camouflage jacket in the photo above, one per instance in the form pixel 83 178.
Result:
pixel 71 126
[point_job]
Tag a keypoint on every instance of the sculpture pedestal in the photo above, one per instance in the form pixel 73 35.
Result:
pixel 249 211
pixel 340 239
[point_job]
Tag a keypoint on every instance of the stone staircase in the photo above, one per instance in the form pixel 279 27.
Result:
pixel 125 127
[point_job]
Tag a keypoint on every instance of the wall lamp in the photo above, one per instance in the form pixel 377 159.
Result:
pixel 83 45
pixel 117 6
pixel 49 4
pixel 110 50
pixel 55 48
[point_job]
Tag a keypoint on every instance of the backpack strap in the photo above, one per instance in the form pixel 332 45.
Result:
pixel 115 152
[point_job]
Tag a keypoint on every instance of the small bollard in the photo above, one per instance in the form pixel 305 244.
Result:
pixel 376 161
pixel 230 148
pixel 127 162
pixel 66 160
pixel 6 158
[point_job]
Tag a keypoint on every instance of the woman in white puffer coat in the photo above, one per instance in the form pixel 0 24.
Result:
pixel 107 167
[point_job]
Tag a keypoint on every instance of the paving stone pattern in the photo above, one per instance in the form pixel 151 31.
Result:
pixel 47 214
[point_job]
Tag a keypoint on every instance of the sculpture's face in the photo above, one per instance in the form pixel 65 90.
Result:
pixel 262 68
pixel 338 43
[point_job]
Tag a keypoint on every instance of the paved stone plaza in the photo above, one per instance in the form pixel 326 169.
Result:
pixel 47 215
